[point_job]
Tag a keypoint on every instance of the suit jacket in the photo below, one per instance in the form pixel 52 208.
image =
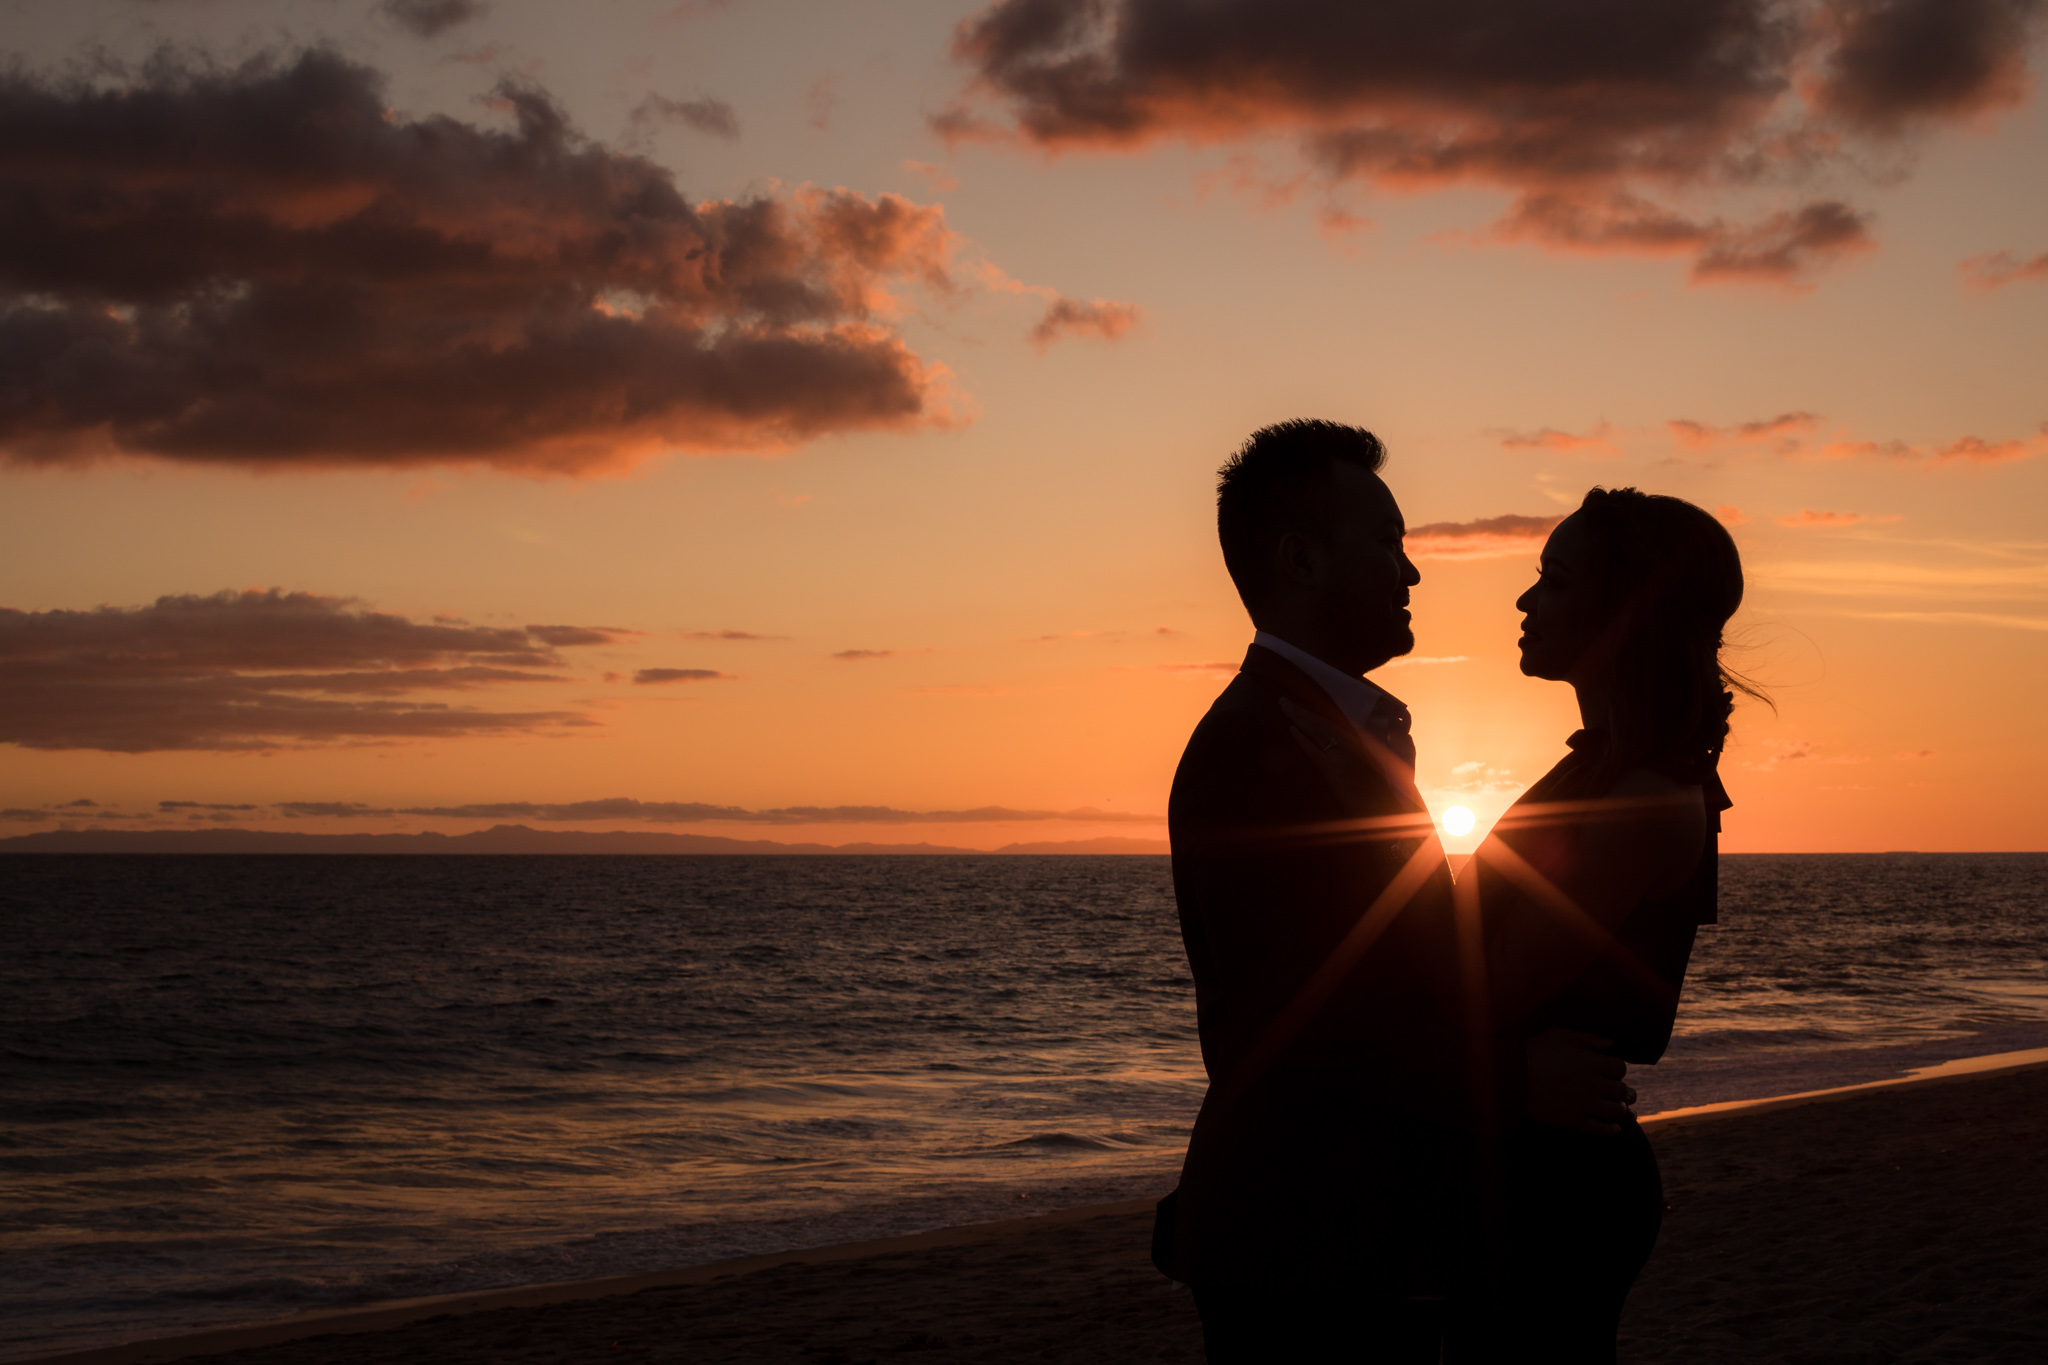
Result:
pixel 1332 1140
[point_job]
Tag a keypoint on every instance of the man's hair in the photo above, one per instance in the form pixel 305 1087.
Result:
pixel 1275 484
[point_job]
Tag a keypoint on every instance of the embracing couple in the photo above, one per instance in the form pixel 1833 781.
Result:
pixel 1416 1143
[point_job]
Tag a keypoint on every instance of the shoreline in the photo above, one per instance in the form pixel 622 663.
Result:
pixel 391 1314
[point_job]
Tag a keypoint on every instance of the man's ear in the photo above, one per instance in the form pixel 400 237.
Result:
pixel 1300 559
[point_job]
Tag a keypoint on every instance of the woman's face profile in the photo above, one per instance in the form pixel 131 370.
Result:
pixel 1561 611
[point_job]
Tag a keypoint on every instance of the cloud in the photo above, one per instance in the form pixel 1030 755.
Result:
pixel 1778 248
pixel 860 655
pixel 1807 516
pixel 697 812
pixel 1597 116
pixel 1486 538
pixel 562 636
pixel 1730 516
pixel 1409 659
pixel 942 180
pixel 1783 434
pixel 1794 434
pixel 1074 317
pixel 431 18
pixel 821 100
pixel 1593 442
pixel 263 266
pixel 707 115
pixel 203 805
pixel 675 675
pixel 255 670
pixel 1221 666
pixel 726 635
pixel 2002 268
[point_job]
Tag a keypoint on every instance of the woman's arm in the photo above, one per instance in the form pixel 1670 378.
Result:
pixel 1555 879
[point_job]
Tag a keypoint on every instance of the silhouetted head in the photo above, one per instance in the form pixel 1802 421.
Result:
pixel 1312 538
pixel 1634 593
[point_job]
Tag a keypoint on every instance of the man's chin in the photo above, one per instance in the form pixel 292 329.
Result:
pixel 1398 642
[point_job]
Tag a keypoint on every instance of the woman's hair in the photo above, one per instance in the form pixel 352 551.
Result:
pixel 1671 577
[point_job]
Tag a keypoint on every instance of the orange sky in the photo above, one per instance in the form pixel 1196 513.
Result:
pixel 871 460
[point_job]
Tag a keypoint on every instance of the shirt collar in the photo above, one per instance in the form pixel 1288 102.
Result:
pixel 1355 697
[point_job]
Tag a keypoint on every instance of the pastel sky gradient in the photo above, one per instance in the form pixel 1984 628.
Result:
pixel 798 420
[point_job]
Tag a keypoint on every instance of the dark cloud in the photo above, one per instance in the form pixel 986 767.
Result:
pixel 1893 62
pixel 23 813
pixel 1486 538
pixel 431 18
pixel 264 266
pixel 695 812
pixel 675 675
pixel 727 635
pixel 1779 246
pixel 579 635
pixel 254 670
pixel 1584 110
pixel 854 656
pixel 203 805
pixel 1081 317
pixel 715 117
pixel 331 809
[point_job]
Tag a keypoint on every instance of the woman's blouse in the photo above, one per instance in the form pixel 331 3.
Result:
pixel 1630 992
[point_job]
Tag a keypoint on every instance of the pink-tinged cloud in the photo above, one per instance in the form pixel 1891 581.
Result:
pixel 1594 442
pixel 647 676
pixel 1784 433
pixel 1487 538
pixel 1599 115
pixel 727 635
pixel 262 266
pixel 2002 268
pixel 1962 451
pixel 1100 318
pixel 258 670
pixel 1807 516
pixel 1779 248
pixel 1730 516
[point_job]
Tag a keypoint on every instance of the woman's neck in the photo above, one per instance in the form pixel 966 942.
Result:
pixel 1594 703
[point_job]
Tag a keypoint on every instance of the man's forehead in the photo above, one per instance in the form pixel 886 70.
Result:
pixel 1367 492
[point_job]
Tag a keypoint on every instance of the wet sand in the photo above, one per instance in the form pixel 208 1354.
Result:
pixel 1908 1223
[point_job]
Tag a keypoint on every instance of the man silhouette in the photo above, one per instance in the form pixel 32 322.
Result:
pixel 1319 1205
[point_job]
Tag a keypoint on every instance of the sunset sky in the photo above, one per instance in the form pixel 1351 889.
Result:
pixel 799 420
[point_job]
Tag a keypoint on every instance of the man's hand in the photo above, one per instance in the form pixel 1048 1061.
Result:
pixel 1573 1084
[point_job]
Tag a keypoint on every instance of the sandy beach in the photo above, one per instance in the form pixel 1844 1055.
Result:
pixel 1906 1223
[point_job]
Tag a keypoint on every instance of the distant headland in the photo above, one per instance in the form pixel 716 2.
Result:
pixel 499 839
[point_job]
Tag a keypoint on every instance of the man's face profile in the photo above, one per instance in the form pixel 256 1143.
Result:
pixel 1352 571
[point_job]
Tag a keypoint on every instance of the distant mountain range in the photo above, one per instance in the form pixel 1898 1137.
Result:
pixel 497 839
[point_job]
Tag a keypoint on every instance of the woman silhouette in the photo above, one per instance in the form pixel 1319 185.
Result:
pixel 1589 892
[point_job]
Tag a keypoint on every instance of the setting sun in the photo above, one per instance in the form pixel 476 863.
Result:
pixel 1458 822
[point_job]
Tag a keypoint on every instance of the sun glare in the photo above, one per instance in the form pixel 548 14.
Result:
pixel 1458 822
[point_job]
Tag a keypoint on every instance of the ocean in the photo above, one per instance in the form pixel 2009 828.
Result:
pixel 237 1088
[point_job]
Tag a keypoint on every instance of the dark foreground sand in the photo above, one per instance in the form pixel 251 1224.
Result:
pixel 1904 1224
